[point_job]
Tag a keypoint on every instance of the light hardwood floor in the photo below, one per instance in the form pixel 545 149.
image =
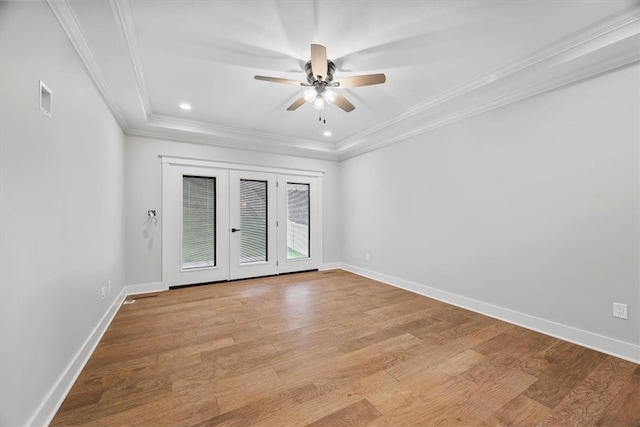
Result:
pixel 336 349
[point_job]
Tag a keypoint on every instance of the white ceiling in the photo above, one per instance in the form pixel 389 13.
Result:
pixel 444 61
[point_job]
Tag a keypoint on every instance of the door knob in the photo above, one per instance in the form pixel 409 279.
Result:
pixel 233 230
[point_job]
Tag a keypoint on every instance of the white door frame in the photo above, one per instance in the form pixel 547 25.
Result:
pixel 237 269
pixel 174 167
pixel 172 272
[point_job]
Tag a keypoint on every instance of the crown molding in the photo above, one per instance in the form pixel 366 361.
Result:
pixel 467 100
pixel 123 12
pixel 600 35
pixel 196 138
pixel 69 24
pixel 193 161
pixel 492 104
pixel 248 136
pixel 166 127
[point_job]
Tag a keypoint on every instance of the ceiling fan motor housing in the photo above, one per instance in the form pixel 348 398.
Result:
pixel 313 80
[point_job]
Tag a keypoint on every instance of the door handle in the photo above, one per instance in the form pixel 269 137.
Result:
pixel 233 230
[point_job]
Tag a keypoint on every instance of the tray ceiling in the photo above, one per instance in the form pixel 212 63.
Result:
pixel 444 61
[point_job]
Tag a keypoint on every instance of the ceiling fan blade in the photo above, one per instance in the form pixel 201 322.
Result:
pixel 319 61
pixel 297 103
pixel 343 103
pixel 279 80
pixel 365 80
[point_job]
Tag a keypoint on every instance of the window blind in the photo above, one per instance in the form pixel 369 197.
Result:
pixel 253 221
pixel 198 222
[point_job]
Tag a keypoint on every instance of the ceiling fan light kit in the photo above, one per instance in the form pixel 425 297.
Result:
pixel 329 96
pixel 320 72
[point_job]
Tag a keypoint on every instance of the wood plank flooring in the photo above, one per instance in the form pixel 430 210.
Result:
pixel 336 349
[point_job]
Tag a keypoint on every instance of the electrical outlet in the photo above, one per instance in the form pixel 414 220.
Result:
pixel 104 292
pixel 619 310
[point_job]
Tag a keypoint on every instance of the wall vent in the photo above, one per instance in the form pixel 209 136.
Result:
pixel 46 99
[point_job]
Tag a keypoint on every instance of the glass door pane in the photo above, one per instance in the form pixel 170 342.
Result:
pixel 198 222
pixel 298 231
pixel 253 221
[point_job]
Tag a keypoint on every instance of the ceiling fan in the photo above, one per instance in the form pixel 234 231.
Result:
pixel 320 72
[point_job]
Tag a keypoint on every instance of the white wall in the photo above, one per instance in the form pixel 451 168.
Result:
pixel 144 192
pixel 61 212
pixel 532 208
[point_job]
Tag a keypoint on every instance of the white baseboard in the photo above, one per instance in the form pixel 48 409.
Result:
pixel 145 288
pixel 50 405
pixel 330 266
pixel 603 344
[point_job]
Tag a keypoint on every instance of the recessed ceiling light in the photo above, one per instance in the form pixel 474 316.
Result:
pixel 185 106
pixel 327 133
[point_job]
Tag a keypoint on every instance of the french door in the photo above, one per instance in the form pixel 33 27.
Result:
pixel 194 238
pixel 252 207
pixel 299 225
pixel 225 224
